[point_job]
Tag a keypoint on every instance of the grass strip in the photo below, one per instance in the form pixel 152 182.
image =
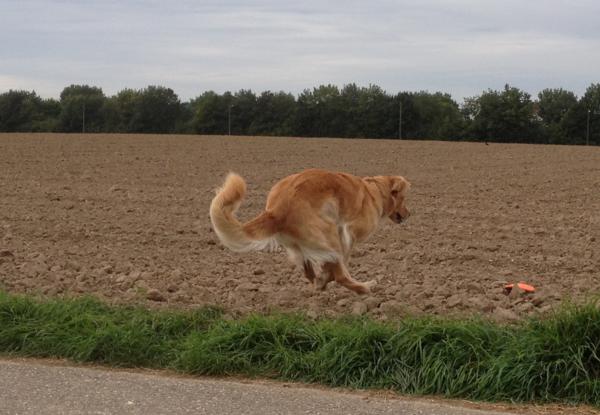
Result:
pixel 554 359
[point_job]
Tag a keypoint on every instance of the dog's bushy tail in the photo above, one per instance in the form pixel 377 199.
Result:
pixel 255 234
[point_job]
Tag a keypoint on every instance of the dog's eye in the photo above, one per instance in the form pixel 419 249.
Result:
pixel 394 193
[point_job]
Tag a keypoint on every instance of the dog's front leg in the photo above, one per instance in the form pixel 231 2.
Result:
pixel 339 272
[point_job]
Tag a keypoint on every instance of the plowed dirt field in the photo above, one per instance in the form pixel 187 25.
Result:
pixel 125 218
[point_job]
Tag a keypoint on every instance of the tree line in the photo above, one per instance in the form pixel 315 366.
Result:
pixel 556 116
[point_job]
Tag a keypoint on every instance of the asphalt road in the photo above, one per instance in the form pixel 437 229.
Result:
pixel 34 387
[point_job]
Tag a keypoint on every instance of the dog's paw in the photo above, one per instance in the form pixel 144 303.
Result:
pixel 320 283
pixel 365 287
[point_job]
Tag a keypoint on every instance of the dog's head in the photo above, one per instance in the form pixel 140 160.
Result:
pixel 395 206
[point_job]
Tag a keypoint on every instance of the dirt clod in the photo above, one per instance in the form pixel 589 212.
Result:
pixel 503 314
pixel 372 302
pixel 359 308
pixel 155 295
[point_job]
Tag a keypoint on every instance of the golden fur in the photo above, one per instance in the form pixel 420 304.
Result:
pixel 316 215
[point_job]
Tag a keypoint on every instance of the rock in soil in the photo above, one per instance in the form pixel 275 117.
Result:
pixel 503 314
pixel 391 307
pixel 454 301
pixel 537 301
pixel 247 286
pixel 359 308
pixel 372 303
pixel 155 295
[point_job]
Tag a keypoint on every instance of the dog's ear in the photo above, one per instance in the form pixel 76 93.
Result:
pixel 398 186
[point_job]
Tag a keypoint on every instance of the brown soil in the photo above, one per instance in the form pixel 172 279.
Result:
pixel 125 218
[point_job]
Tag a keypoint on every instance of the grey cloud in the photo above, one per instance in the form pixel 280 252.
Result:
pixel 461 47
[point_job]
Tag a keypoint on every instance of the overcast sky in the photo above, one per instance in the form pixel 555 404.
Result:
pixel 461 47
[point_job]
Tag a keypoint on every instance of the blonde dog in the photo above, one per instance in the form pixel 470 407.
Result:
pixel 316 215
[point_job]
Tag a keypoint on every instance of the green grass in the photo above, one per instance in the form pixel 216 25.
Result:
pixel 555 359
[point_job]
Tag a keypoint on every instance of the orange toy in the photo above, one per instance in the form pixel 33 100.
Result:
pixel 525 287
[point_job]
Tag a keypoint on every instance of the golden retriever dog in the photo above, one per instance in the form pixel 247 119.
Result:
pixel 316 215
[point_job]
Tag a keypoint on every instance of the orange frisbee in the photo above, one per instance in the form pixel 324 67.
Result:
pixel 525 287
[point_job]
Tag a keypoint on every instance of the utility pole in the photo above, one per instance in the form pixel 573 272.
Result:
pixel 229 119
pixel 400 121
pixel 587 135
pixel 83 117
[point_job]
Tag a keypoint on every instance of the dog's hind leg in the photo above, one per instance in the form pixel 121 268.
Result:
pixel 321 244
pixel 309 272
pixel 322 280
pixel 297 258
pixel 337 271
